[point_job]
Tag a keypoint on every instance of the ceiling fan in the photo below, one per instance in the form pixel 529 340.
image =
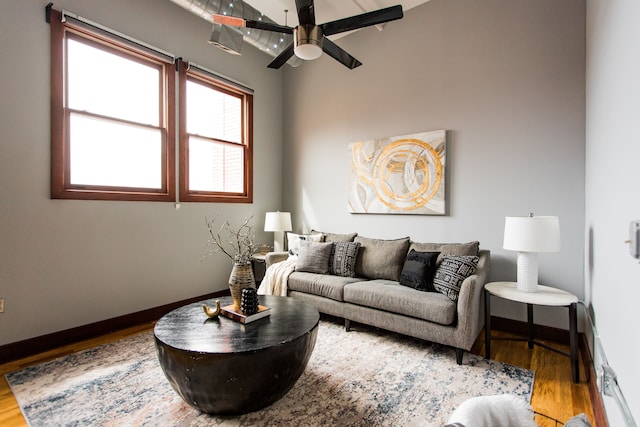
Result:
pixel 309 39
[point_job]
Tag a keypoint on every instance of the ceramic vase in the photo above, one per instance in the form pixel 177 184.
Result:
pixel 241 278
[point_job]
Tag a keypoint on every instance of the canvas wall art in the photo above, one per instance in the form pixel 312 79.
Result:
pixel 399 175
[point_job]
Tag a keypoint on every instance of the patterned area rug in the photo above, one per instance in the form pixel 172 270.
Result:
pixel 363 377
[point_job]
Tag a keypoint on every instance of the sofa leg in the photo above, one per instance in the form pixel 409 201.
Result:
pixel 347 325
pixel 459 354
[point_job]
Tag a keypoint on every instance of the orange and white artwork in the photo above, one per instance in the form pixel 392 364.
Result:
pixel 399 175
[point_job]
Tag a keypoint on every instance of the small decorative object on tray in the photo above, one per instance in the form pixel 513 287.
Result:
pixel 212 313
pixel 249 304
pixel 232 313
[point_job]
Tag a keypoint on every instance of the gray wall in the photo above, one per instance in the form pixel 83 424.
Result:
pixel 69 263
pixel 612 282
pixel 505 78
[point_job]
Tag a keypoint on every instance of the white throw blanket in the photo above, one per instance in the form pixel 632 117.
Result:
pixel 275 278
pixel 502 410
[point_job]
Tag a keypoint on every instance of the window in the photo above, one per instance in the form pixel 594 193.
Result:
pixel 113 122
pixel 215 139
pixel 112 118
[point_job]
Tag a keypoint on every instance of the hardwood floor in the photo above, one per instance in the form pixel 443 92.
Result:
pixel 554 394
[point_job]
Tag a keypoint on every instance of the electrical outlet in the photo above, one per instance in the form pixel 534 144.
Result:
pixel 1 305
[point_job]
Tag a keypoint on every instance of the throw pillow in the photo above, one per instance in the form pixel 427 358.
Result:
pixel 418 270
pixel 451 273
pixel 448 249
pixel 293 240
pixel 381 259
pixel 335 237
pixel 458 249
pixel 313 257
pixel 343 259
pixel 579 420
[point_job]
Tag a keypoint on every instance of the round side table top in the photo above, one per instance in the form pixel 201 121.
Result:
pixel 546 295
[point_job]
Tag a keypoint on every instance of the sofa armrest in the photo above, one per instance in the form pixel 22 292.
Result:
pixel 275 257
pixel 470 319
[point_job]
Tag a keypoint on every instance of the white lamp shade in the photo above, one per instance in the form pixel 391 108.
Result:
pixel 277 221
pixel 532 234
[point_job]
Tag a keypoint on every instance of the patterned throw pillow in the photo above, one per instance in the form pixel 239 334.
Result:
pixel 343 259
pixel 313 257
pixel 418 270
pixel 452 272
pixel 293 241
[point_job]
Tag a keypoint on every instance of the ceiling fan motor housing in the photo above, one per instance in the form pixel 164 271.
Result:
pixel 308 41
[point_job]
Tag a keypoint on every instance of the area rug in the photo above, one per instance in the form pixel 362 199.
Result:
pixel 363 377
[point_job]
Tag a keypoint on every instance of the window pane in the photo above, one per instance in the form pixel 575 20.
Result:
pixel 111 85
pixel 107 153
pixel 213 114
pixel 215 166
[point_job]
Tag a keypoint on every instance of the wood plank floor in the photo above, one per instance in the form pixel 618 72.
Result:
pixel 554 394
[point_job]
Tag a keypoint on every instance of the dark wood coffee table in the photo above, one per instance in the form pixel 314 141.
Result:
pixel 220 366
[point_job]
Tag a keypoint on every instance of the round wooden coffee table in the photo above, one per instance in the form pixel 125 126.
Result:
pixel 221 366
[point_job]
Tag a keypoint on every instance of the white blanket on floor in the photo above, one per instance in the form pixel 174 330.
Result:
pixel 276 276
pixel 502 410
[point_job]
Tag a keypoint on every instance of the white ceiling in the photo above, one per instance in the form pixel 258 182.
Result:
pixel 326 10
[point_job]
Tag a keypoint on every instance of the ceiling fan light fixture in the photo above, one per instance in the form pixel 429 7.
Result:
pixel 307 42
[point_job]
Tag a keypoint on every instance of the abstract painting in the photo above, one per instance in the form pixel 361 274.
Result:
pixel 399 175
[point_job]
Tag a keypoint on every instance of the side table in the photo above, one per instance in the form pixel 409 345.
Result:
pixel 546 296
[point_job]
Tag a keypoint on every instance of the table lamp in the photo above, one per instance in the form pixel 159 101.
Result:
pixel 529 236
pixel 278 222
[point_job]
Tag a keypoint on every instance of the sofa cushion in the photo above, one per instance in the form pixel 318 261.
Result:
pixel 293 241
pixel 451 273
pixel 381 259
pixel 313 257
pixel 324 285
pixel 418 270
pixel 470 248
pixel 335 237
pixel 390 296
pixel 342 261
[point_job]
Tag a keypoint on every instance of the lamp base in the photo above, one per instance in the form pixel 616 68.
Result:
pixel 528 271
pixel 278 241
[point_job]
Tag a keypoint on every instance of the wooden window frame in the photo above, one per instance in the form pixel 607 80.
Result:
pixel 61 187
pixel 186 195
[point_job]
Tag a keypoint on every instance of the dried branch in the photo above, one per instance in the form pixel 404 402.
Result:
pixel 239 244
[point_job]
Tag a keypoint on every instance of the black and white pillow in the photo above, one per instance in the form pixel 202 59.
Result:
pixel 343 259
pixel 451 273
pixel 313 257
pixel 418 270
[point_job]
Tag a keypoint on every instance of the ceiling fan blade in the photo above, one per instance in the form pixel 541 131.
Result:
pixel 284 56
pixel 306 12
pixel 258 25
pixel 339 54
pixel 363 20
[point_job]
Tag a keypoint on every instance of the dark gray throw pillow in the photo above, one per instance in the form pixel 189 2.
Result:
pixel 418 270
pixel 342 261
pixel 313 257
pixel 451 273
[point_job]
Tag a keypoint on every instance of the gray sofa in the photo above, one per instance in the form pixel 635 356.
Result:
pixel 382 293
